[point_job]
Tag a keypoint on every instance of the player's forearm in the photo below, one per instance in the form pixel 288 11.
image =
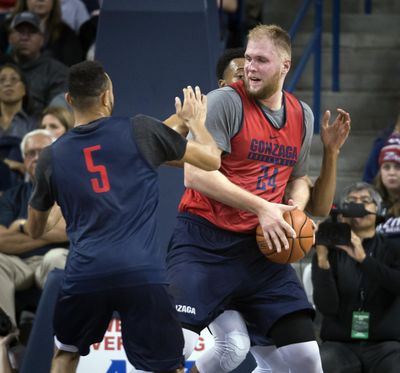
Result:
pixel 217 186
pixel 298 189
pixel 204 156
pixel 324 188
pixel 177 124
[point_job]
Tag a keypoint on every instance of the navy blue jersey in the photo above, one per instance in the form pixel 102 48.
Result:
pixel 108 193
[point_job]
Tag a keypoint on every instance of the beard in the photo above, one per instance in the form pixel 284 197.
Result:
pixel 267 90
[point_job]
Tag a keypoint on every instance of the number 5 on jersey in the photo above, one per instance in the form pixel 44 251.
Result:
pixel 96 169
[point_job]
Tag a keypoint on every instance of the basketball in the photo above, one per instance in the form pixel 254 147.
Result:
pixel 298 247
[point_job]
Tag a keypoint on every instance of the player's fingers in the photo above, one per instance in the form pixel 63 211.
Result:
pixel 281 235
pixel 185 95
pixel 197 93
pixel 268 240
pixel 291 202
pixel 276 242
pixel 204 99
pixel 178 104
pixel 325 118
pixel 290 207
pixel 190 92
pixel 290 232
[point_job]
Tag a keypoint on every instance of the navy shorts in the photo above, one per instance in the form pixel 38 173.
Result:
pixel 211 269
pixel 151 332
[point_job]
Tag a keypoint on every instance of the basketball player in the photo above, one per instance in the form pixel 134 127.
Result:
pixel 213 257
pixel 103 175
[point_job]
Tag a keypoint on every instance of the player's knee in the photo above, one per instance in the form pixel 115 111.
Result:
pixel 304 356
pixel 235 350
pixel 190 342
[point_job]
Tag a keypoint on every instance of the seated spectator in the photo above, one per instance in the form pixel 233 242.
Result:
pixel 59 40
pixel 24 261
pixel 87 33
pixel 14 124
pixel 371 167
pixel 57 120
pixel 356 289
pixel 46 76
pixel 388 184
pixel 5 342
pixel 74 13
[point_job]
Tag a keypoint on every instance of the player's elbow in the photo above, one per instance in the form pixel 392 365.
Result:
pixel 213 163
pixel 192 176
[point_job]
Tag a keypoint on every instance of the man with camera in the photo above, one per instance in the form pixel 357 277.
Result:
pixel 357 289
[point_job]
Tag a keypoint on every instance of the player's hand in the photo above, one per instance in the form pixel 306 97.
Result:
pixel 334 135
pixel 194 107
pixel 274 226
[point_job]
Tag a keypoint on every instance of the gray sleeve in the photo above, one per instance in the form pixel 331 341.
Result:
pixel 302 164
pixel 42 197
pixel 224 116
pixel 157 142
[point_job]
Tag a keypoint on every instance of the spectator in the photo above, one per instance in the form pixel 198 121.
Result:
pixel 5 342
pixel 25 261
pixel 57 120
pixel 14 124
pixel 74 13
pixel 46 76
pixel 357 290
pixel 388 184
pixel 88 31
pixel 372 166
pixel 59 40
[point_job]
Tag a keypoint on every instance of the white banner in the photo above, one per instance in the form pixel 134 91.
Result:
pixel 109 356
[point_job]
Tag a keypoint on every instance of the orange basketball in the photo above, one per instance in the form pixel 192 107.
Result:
pixel 298 247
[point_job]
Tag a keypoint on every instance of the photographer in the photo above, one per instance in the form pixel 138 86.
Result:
pixel 357 291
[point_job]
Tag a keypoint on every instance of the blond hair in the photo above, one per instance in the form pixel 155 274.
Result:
pixel 276 34
pixel 65 117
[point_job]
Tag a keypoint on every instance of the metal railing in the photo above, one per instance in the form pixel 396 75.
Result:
pixel 313 47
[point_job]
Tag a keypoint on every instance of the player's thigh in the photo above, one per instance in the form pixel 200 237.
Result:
pixel 82 319
pixel 150 328
pixel 270 301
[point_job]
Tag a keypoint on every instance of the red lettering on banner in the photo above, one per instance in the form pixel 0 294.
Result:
pixel 109 343
pixel 119 343
pixel 96 346
pixel 117 325
pixel 200 344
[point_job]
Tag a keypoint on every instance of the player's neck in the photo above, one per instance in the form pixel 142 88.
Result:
pixel 83 118
pixel 273 102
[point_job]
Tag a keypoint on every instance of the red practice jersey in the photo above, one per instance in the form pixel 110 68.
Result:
pixel 261 161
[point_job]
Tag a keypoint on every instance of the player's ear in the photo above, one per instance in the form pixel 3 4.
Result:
pixel 221 83
pixel 286 66
pixel 68 98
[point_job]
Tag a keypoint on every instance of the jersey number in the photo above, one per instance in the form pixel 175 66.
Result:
pixel 270 179
pixel 100 169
